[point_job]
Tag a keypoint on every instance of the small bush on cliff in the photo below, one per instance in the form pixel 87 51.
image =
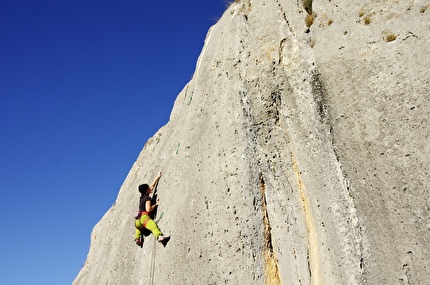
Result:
pixel 229 3
pixel 309 20
pixel 390 37
pixel 367 20
pixel 308 6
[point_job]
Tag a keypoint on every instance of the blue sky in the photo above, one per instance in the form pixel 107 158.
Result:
pixel 83 85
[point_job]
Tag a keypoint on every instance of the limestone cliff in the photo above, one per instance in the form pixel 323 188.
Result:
pixel 297 154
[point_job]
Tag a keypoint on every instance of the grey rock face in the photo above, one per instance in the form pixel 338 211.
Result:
pixel 298 154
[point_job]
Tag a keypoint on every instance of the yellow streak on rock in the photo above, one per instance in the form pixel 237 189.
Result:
pixel 314 258
pixel 271 270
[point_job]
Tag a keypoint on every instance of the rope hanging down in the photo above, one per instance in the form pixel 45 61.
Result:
pixel 151 274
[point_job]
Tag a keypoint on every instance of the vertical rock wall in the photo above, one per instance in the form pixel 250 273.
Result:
pixel 297 154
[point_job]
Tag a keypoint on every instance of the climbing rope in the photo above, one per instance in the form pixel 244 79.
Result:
pixel 152 272
pixel 151 275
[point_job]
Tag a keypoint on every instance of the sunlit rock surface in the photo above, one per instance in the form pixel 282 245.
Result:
pixel 297 154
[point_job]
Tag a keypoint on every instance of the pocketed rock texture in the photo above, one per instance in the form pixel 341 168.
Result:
pixel 297 154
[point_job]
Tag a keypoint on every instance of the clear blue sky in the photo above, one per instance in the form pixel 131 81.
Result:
pixel 83 85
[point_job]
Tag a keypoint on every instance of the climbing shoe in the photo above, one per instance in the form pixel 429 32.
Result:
pixel 163 238
pixel 138 242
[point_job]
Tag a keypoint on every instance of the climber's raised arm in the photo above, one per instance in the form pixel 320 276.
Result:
pixel 154 183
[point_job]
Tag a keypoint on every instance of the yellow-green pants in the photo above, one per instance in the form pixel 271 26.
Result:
pixel 150 225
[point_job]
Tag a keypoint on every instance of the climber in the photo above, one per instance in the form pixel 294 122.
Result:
pixel 143 217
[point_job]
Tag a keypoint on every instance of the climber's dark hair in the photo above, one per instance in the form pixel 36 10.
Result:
pixel 143 188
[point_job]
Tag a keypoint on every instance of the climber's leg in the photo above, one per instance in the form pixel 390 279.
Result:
pixel 152 226
pixel 138 232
